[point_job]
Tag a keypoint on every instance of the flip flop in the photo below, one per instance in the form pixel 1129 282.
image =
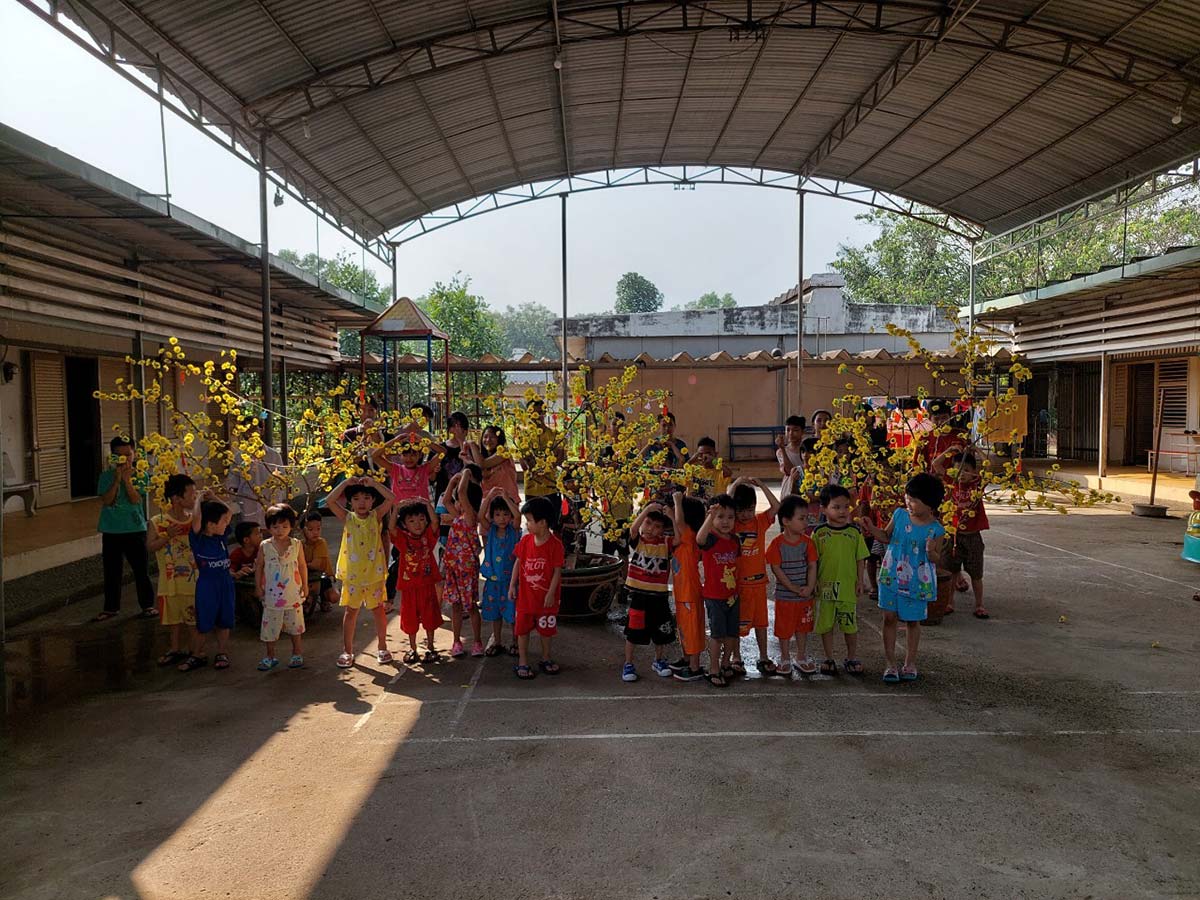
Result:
pixel 549 667
pixel 171 657
pixel 493 650
pixel 345 661
pixel 982 613
pixel 891 676
pixel 524 673
pixel 103 616
pixel 411 658
pixel 192 663
pixel 296 662
pixel 716 679
pixel 150 612
pixel 767 667
pixel 908 673
pixel 828 667
pixel 738 667
pixel 853 667
pixel 221 661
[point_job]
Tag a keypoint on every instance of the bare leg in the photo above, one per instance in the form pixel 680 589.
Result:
pixel 476 625
pixel 547 643
pixel 349 622
pixel 270 649
pixel 456 621
pixel 760 635
pixel 977 585
pixel 222 640
pixel 714 655
pixel 380 615
pixel 176 637
pixel 889 638
pixel 852 646
pixel 297 645
pixel 827 644
pixel 523 650
pixel 912 641
pixel 785 651
pixel 628 653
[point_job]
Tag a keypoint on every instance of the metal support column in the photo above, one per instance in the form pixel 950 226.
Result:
pixel 429 370
pixel 283 419
pixel 268 388
pixel 566 387
pixel 386 404
pixel 971 293
pixel 139 381
pixel 1105 372
pixel 800 303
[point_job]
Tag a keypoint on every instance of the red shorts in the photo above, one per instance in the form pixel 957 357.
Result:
pixel 419 608
pixel 689 621
pixel 793 617
pixel 544 621
pixel 753 610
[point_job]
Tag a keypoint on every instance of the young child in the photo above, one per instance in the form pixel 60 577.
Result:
pixel 460 561
pixel 534 586
pixel 789 452
pixel 208 539
pixel 414 533
pixel 408 475
pixel 793 560
pixel 719 554
pixel 362 562
pixel 841 577
pixel 908 576
pixel 714 479
pixel 249 537
pixel 750 529
pixel 646 577
pixel 167 539
pixel 320 566
pixel 499 534
pixel 961 472
pixel 281 581
pixel 685 566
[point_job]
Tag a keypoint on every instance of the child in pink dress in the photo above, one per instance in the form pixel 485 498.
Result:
pixel 460 560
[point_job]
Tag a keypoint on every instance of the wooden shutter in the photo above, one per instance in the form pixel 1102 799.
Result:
pixel 51 463
pixel 1173 389
pixel 1120 395
pixel 116 416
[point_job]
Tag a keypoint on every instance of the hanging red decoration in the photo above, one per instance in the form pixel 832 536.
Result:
pixel 566 507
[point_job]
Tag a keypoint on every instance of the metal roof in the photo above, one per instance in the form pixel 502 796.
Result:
pixel 41 184
pixel 996 111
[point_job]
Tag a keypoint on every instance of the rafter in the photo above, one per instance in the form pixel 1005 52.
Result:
pixel 687 70
pixel 762 46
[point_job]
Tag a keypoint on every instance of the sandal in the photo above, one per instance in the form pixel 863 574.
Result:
pixel 103 616
pixel 549 667
pixel 193 663
pixel 807 667
pixel 767 667
pixel 431 656
pixel 514 650
pixel 716 679
pixel 739 667
pixel 524 673
pixel 828 667
pixel 891 676
pixel 221 661
pixel 493 650
pixel 296 662
pixel 727 672
pixel 171 657
pixel 150 612
pixel 784 669
pixel 384 657
pixel 982 613
pixel 908 673
pixel 267 664
pixel 852 667
pixel 411 658
pixel 345 661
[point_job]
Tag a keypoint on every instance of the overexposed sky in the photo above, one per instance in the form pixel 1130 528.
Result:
pixel 736 239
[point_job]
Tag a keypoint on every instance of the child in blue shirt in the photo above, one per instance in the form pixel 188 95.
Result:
pixel 499 533
pixel 209 540
pixel 908 573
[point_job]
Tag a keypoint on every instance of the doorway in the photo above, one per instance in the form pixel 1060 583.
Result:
pixel 83 424
pixel 1140 436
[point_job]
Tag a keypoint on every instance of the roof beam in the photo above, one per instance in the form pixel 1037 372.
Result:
pixel 687 70
pixel 500 120
pixel 620 98
pixel 762 46
pixel 559 62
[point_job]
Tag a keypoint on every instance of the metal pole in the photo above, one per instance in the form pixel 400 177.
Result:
pixel 800 303
pixel 1105 370
pixel 429 370
pixel 264 263
pixel 971 294
pixel 3 604
pixel 162 131
pixel 566 387
pixel 386 406
pixel 283 420
pixel 446 350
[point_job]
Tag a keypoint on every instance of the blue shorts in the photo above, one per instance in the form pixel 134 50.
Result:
pixel 906 609
pixel 495 604
pixel 215 604
pixel 722 618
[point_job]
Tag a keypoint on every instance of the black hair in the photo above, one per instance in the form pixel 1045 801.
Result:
pixel 460 417
pixel 355 489
pixel 211 512
pixel 722 500
pixel 412 509
pixel 501 440
pixel 280 512
pixel 843 441
pixel 660 517
pixel 244 530
pixel 313 516
pixel 926 488
pixel 744 497
pixel 693 513
pixel 789 506
pixel 819 412
pixel 809 445
pixel 476 473
pixel 474 495
pixel 795 421
pixel 831 492
pixel 119 441
pixel 176 485
pixel 706 441
pixel 540 509
pixel 618 415
pixel 498 504
pixel 969 459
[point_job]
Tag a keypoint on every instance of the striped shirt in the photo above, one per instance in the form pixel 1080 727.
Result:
pixel 794 560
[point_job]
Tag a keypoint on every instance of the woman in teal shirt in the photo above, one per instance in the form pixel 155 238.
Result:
pixel 123 533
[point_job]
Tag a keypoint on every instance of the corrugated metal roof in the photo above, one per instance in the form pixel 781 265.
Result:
pixel 996 111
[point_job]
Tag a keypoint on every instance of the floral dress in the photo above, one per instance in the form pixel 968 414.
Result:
pixel 460 564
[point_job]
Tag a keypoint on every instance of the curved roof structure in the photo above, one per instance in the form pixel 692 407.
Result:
pixel 996 111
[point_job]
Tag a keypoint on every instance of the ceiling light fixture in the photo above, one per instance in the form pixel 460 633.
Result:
pixel 278 197
pixel 304 125
pixel 557 61
pixel 1177 119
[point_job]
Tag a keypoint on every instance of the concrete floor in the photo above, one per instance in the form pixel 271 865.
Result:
pixel 1036 758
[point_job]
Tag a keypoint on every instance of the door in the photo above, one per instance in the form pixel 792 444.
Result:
pixel 51 459
pixel 84 435
pixel 1140 416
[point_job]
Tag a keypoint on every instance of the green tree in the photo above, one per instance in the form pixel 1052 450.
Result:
pixel 472 327
pixel 709 300
pixel 637 294
pixel 528 325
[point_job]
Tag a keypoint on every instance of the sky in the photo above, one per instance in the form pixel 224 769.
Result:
pixel 740 240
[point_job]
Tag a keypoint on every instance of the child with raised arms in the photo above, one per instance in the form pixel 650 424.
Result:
pixel 460 560
pixel 167 539
pixel 841 578
pixel 499 533
pixel 646 576
pixel 685 568
pixel 215 601
pixel 362 561
pixel 719 552
pixel 750 528
pixel 792 557
pixel 534 587
pixel 414 531
pixel 281 582
pixel 908 576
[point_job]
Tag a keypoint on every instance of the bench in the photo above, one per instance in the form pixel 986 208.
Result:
pixel 26 490
pixel 1191 458
pixel 753 437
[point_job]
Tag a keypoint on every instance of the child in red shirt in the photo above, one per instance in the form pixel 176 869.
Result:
pixel 719 553
pixel 414 534
pixel 534 587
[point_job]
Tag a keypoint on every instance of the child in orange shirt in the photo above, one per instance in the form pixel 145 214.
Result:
pixel 689 608
pixel 793 559
pixel 750 529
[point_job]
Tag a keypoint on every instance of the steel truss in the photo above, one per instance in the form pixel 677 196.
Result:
pixel 128 58
pixel 1116 201
pixel 682 178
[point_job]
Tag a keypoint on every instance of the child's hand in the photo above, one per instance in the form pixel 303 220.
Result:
pixel 806 592
pixel 779 441
pixel 864 590
pixel 931 544
pixel 181 529
pixel 512 593
pixel 677 495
